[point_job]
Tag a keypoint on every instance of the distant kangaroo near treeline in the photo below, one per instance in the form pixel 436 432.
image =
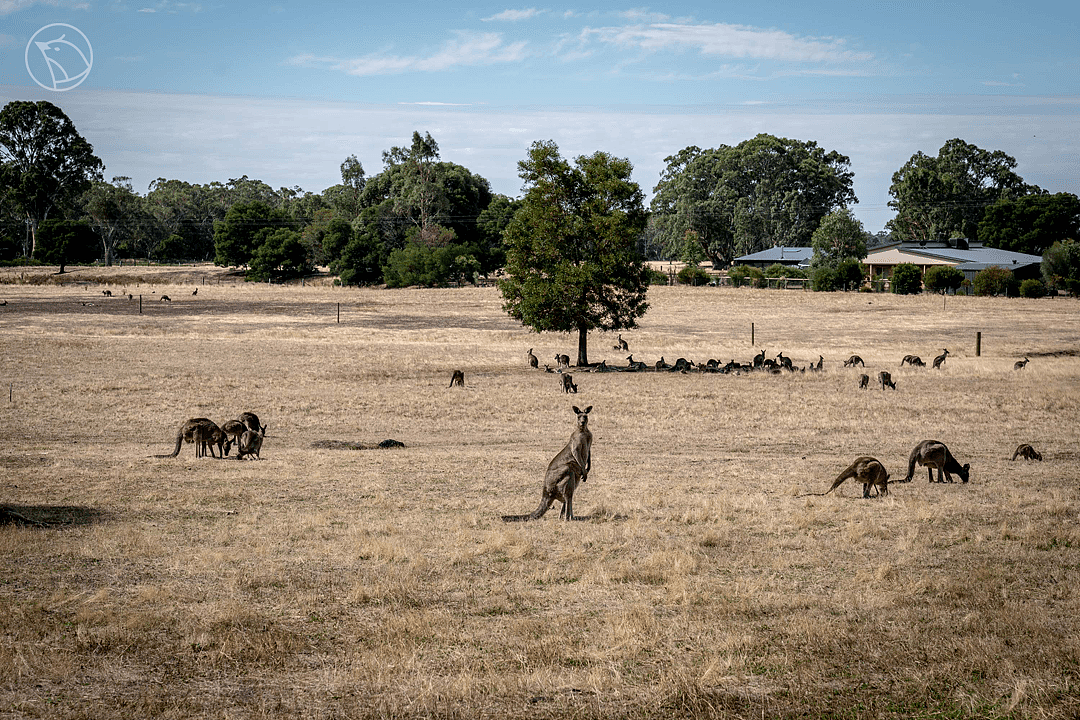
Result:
pixel 565 472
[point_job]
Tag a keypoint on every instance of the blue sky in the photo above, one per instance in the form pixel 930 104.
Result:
pixel 284 92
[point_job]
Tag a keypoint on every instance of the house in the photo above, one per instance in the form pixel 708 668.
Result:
pixel 794 256
pixel 968 258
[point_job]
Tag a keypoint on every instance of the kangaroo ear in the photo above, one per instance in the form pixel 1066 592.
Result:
pixel 588 409
pixel 967 466
pixel 578 412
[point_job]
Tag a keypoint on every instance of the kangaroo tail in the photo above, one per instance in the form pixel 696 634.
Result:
pixel 515 518
pixel 179 442
pixel 545 503
pixel 911 465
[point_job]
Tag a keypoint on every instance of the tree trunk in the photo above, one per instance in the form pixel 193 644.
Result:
pixel 583 346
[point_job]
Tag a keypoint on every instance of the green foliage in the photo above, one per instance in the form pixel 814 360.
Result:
pixel 824 279
pixel 741 275
pixel 245 227
pixel 280 256
pixel 1032 223
pixel 935 197
pixel 655 277
pixel 742 199
pixel 63 242
pixel 692 275
pixel 850 274
pixel 942 278
pixel 44 162
pixel 840 236
pixel 906 279
pixel 776 270
pixel 1032 288
pixel 1061 266
pixel 117 215
pixel 995 280
pixel 571 249
pixel 420 264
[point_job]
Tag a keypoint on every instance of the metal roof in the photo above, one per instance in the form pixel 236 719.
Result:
pixel 779 254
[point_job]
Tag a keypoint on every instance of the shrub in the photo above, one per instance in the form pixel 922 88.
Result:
pixel 745 275
pixel 787 271
pixel 692 275
pixel 942 278
pixel 995 280
pixel 849 274
pixel 1032 288
pixel 1061 266
pixel 656 277
pixel 824 280
pixel 906 279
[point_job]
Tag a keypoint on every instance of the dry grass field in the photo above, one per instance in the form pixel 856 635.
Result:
pixel 362 583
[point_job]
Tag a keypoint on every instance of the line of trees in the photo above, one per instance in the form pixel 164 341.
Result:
pixel 425 221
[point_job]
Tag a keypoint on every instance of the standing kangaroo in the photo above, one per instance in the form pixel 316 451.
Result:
pixel 458 378
pixel 565 472
pixel 940 359
pixel 207 435
pixel 621 344
pixel 864 381
pixel 563 361
pixel 1021 364
pixel 251 421
pixel 533 362
pixel 885 378
pixel 250 443
pixel 933 454
pixel 568 385
pixel 186 433
pixel 867 470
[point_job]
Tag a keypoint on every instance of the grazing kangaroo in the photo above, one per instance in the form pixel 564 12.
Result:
pixel 565 472
pixel 933 454
pixel 853 361
pixel 1021 364
pixel 458 378
pixel 568 385
pixel 251 422
pixel 233 429
pixel 165 298
pixel 186 433
pixel 913 360
pixel 250 444
pixel 864 381
pixel 621 344
pixel 885 378
pixel 107 293
pixel 533 362
pixel 207 435
pixel 940 359
pixel 563 361
pixel 867 470
pixel 1027 452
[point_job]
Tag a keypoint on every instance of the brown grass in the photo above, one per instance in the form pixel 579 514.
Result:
pixel 352 583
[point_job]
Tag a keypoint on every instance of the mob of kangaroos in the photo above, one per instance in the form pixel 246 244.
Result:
pixel 565 472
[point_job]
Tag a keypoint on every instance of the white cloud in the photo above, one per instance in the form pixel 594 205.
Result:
pixel 466 49
pixel 9 6
pixel 728 40
pixel 514 15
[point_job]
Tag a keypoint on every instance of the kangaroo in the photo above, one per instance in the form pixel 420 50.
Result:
pixel 934 454
pixel 820 363
pixel 250 444
pixel 195 291
pixel 661 365
pixel 864 381
pixel 533 362
pixel 207 435
pixel 783 361
pixel 621 344
pixel 563 361
pixel 867 470
pixel 759 359
pixel 634 364
pixel 107 293
pixel 913 360
pixel 853 361
pixel 186 433
pixel 165 298
pixel 568 385
pixel 233 429
pixel 885 378
pixel 1027 452
pixel 940 359
pixel 565 472
pixel 251 422
pixel 1021 364
pixel 458 378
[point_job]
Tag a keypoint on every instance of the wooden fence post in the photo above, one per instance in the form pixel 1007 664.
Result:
pixel 978 344
pixel 752 335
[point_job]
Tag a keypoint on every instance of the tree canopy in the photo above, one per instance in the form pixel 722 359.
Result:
pixel 1032 223
pixel 938 197
pixel 44 161
pixel 571 248
pixel 761 193
pixel 839 237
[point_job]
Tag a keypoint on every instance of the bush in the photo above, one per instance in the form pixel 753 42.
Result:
pixel 692 275
pixel 420 264
pixel 1061 266
pixel 656 277
pixel 1032 288
pixel 995 280
pixel 824 280
pixel 849 274
pixel 745 275
pixel 777 270
pixel 942 278
pixel 906 279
